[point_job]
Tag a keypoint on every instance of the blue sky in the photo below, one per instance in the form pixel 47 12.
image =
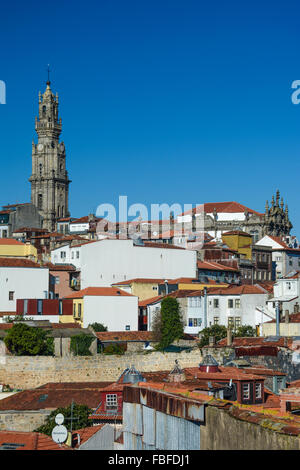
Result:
pixel 163 101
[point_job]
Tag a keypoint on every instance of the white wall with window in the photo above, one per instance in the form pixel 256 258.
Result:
pixel 22 283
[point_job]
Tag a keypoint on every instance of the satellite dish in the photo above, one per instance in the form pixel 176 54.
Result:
pixel 59 434
pixel 59 418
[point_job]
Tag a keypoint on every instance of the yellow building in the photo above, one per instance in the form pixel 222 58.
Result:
pixel 11 248
pixel 147 288
pixel 239 241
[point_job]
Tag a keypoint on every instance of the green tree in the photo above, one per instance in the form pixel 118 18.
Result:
pixel 98 327
pixel 244 331
pixel 81 343
pixel 168 327
pixel 24 340
pixel 81 415
pixel 218 331
pixel 115 348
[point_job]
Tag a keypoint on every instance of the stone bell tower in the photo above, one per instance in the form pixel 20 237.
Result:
pixel 49 179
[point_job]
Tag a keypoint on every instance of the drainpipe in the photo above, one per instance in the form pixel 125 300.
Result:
pixel 205 307
pixel 167 286
pixel 277 317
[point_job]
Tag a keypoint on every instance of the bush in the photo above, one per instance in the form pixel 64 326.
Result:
pixel 114 349
pixel 245 331
pixel 80 414
pixel 80 344
pixel 218 331
pixel 98 327
pixel 24 340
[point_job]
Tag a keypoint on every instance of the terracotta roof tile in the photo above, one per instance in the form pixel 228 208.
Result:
pixel 18 263
pixel 98 291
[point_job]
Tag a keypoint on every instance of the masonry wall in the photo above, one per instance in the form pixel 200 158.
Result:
pixel 25 372
pixel 22 420
pixel 242 436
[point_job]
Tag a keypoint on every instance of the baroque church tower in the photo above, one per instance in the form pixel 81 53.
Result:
pixel 49 179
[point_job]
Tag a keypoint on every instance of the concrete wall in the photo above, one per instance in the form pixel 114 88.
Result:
pixel 109 261
pixel 22 420
pixel 26 283
pixel 27 372
pixel 115 312
pixel 243 435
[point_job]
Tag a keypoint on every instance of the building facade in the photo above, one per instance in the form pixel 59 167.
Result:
pixel 49 179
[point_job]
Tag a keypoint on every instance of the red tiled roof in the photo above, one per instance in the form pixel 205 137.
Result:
pixel 30 441
pixel 55 396
pixel 213 266
pixel 85 219
pixel 18 263
pixel 10 241
pixel 145 302
pixel 160 245
pixel 237 232
pixel 98 291
pixel 257 341
pixel 236 290
pixel 138 280
pixel 227 207
pixel 86 433
pixel 60 267
pixel 124 335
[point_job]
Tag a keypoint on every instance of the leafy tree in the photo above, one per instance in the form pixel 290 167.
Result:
pixel 218 331
pixel 80 344
pixel 80 414
pixel 24 340
pixel 98 327
pixel 245 330
pixel 168 325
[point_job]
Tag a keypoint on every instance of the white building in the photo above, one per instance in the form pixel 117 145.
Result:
pixel 232 306
pixel 67 254
pixel 236 306
pixel 285 257
pixel 106 262
pixel 21 279
pixel 112 307
pixel 286 293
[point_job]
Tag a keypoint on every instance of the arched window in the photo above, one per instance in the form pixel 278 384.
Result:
pixel 40 168
pixel 44 110
pixel 58 211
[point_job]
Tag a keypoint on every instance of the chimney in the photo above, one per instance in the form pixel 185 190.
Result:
pixel 287 317
pixel 229 337
pixel 296 308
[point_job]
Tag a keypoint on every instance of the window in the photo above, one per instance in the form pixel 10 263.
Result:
pixel 216 320
pixel 72 254
pixel 111 400
pixel 154 288
pixel 258 390
pixel 77 254
pixel 40 201
pixel 288 285
pixel 230 322
pixel 237 322
pixel 230 303
pixel 62 254
pixel 237 303
pixel 246 391
pixel 127 327
pixel 79 310
pixel 11 295
pixel 216 303
pixel 195 321
pixel 74 310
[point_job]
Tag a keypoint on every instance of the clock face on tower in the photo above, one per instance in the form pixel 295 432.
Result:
pixel 40 147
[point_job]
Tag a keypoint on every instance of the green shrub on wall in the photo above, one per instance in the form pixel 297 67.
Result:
pixel 24 340
pixel 114 349
pixel 80 344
